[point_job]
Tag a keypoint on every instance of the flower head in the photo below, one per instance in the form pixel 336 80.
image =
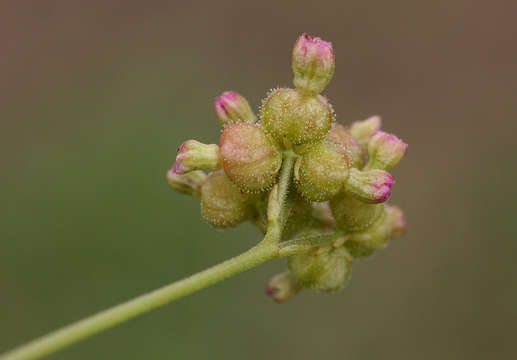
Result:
pixel 232 107
pixel 385 151
pixel 298 175
pixel 313 64
pixel 193 155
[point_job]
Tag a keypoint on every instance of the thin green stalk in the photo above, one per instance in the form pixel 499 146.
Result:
pixel 267 249
pixel 106 319
pixel 278 206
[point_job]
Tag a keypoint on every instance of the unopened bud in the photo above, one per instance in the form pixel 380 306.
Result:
pixel 321 171
pixel 353 214
pixel 385 151
pixel 223 204
pixel 283 286
pixel 250 156
pixel 189 183
pixel 193 155
pixel 371 186
pixel 397 220
pixel 356 152
pixel 363 130
pixel 313 63
pixel 325 268
pixel 290 115
pixel 231 107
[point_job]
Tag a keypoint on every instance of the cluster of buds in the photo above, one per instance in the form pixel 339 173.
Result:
pixel 340 180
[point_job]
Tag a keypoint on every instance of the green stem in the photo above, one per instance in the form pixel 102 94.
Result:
pixel 106 319
pixel 267 249
pixel 285 175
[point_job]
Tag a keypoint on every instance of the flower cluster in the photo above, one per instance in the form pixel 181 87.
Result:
pixel 339 182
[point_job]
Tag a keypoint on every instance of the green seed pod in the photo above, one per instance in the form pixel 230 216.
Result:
pixel 321 171
pixel 288 114
pixel 223 204
pixel 325 268
pixel 356 152
pixel 250 156
pixel 353 214
pixel 376 236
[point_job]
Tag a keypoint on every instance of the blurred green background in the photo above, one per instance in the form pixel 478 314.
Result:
pixel 96 96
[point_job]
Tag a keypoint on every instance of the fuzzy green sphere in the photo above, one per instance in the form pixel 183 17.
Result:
pixel 321 171
pixel 250 156
pixel 325 268
pixel 354 214
pixel 223 204
pixel 299 118
pixel 356 152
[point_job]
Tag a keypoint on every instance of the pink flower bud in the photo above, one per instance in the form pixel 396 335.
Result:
pixel 372 186
pixel 385 151
pixel 283 286
pixel 397 220
pixel 231 107
pixel 250 157
pixel 193 155
pixel 313 64
pixel 363 130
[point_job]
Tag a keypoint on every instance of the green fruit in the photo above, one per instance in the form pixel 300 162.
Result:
pixel 223 204
pixel 296 118
pixel 325 268
pixel 250 157
pixel 321 171
pixel 353 214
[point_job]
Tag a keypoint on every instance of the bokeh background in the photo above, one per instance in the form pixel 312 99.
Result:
pixel 96 96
